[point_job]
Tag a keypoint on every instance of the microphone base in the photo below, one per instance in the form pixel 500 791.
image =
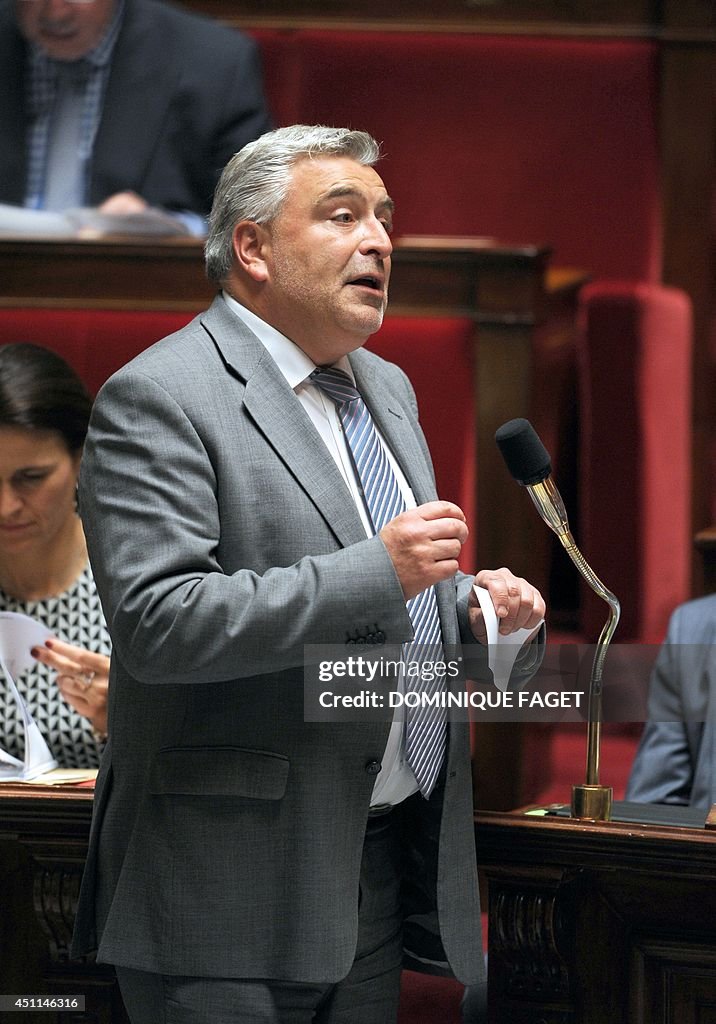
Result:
pixel 593 802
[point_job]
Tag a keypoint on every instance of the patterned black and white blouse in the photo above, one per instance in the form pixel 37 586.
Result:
pixel 75 617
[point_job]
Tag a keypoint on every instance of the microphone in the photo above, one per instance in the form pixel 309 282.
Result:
pixel 526 457
pixel 529 463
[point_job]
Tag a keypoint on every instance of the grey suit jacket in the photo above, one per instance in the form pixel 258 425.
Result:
pixel 227 831
pixel 676 759
pixel 184 94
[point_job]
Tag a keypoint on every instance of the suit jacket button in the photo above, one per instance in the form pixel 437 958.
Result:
pixel 373 767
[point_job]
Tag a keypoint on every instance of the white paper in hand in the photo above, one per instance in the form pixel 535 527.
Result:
pixel 502 649
pixel 18 634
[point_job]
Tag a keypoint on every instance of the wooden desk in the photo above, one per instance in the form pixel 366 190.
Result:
pixel 589 923
pixel 602 923
pixel 522 309
pixel 43 845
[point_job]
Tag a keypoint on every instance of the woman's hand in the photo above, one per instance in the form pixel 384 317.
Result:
pixel 82 678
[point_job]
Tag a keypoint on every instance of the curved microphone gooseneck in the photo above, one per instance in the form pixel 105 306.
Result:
pixel 529 463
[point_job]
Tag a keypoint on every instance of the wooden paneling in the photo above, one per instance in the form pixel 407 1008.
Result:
pixel 598 922
pixel 554 16
pixel 663 18
pixel 681 17
pixel 705 542
pixel 43 845
pixel 674 981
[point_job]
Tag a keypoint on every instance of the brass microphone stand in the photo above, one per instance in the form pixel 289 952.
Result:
pixel 590 800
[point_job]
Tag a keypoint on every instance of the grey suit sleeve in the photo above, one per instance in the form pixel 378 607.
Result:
pixel 663 769
pixel 148 499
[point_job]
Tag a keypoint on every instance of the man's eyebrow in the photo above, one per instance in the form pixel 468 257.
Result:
pixel 340 191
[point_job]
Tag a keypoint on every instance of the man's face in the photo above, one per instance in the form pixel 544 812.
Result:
pixel 65 31
pixel 328 257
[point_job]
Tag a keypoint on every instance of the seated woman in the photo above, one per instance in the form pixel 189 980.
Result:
pixel 44 570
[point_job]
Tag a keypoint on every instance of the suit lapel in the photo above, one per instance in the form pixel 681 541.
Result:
pixel 280 417
pixel 282 420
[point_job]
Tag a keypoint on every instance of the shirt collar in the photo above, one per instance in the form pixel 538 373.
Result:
pixel 292 361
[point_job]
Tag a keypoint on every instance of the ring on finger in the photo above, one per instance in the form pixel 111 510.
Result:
pixel 86 679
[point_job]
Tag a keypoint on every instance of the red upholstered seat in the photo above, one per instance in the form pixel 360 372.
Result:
pixel 95 342
pixel 544 140
pixel 634 351
pixel 281 72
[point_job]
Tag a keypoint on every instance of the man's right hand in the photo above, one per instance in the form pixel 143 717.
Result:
pixel 424 544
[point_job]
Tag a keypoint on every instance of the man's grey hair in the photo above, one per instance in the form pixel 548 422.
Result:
pixel 255 182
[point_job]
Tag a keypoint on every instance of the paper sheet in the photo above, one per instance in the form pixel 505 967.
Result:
pixel 57 777
pixel 502 649
pixel 18 634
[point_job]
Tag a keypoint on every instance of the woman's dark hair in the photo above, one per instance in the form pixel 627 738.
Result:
pixel 40 391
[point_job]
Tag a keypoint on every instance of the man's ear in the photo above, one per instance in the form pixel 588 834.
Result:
pixel 250 242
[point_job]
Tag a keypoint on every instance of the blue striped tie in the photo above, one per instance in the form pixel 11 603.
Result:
pixel 425 734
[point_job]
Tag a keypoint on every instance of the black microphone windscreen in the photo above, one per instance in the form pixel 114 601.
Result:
pixel 526 457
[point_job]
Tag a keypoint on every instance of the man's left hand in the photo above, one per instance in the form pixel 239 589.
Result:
pixel 517 603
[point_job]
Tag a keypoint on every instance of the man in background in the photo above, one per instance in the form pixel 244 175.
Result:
pixel 122 105
pixel 676 759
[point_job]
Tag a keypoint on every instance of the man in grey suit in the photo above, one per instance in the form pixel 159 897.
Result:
pixel 247 864
pixel 676 759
